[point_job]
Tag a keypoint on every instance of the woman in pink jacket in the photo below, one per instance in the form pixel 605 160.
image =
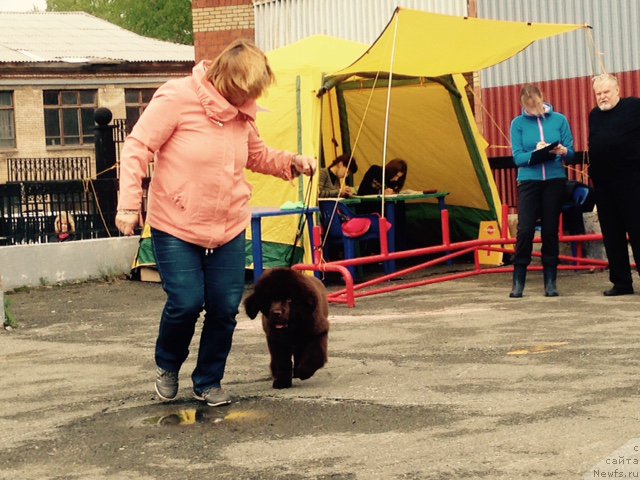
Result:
pixel 202 131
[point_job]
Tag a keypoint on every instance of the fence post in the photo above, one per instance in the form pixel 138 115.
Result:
pixel 105 146
pixel 106 185
pixel 3 318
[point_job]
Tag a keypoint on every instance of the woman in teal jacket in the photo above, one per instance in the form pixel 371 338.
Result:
pixel 541 183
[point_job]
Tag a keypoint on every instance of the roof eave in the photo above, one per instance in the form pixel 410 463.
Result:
pixel 96 67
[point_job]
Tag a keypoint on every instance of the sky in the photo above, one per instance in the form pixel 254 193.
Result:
pixel 22 5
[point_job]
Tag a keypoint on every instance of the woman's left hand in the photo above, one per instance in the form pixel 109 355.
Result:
pixel 303 165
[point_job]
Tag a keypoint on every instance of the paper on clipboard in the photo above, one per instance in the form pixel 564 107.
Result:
pixel 543 154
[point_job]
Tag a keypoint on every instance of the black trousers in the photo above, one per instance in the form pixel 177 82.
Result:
pixel 539 200
pixel 618 202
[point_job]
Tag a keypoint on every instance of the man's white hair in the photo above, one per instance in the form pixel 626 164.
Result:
pixel 604 77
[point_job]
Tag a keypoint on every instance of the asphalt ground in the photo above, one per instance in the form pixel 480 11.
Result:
pixel 452 380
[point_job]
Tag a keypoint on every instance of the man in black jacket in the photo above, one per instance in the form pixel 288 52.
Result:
pixel 614 154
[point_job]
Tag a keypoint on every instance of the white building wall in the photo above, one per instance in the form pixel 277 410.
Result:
pixel 29 112
pixel 614 31
pixel 282 22
pixel 29 118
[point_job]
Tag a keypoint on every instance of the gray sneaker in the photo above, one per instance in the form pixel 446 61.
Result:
pixel 214 397
pixel 166 384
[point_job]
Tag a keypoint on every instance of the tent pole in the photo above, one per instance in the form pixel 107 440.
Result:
pixel 386 116
pixel 334 140
pixel 299 135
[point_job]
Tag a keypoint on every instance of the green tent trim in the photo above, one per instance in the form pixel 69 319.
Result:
pixel 145 256
pixel 423 219
pixel 474 154
pixel 274 254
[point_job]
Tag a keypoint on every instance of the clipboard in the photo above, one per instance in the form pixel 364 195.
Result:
pixel 543 154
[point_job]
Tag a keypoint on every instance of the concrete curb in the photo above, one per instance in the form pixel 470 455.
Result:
pixel 52 263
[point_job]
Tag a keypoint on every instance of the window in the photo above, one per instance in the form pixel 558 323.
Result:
pixel 7 121
pixel 68 116
pixel 136 100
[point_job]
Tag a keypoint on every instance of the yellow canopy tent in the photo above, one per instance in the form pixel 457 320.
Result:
pixel 430 125
pixel 291 121
pixel 405 98
pixel 402 97
pixel 422 44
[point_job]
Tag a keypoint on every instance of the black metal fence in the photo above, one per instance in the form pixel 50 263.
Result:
pixel 44 193
pixel 119 134
pixel 46 169
pixel 28 210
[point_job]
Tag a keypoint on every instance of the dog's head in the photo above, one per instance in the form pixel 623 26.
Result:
pixel 280 295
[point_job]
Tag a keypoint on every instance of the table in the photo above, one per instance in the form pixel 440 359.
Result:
pixel 257 214
pixel 393 205
pixel 400 197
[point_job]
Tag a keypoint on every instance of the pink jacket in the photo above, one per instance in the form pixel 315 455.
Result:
pixel 202 145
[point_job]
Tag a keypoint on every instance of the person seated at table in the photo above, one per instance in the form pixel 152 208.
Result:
pixel 331 182
pixel 395 175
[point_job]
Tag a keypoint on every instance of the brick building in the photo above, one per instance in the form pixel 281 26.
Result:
pixel 57 68
pixel 218 22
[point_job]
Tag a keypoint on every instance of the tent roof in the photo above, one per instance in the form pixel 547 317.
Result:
pixel 291 120
pixel 431 45
pixel 319 53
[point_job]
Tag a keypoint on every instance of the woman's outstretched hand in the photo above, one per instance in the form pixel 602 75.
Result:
pixel 303 165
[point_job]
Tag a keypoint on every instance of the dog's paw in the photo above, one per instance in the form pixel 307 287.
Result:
pixel 279 383
pixel 303 373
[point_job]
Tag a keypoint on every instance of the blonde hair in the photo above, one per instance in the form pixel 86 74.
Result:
pixel 604 77
pixel 241 69
pixel 64 218
pixel 528 92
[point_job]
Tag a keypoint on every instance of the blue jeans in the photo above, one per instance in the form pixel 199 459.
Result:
pixel 193 280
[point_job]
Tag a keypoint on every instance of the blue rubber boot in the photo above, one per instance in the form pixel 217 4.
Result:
pixel 519 278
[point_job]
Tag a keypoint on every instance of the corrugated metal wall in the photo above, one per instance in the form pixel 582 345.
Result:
pixel 573 97
pixel 561 66
pixel 281 22
pixel 615 33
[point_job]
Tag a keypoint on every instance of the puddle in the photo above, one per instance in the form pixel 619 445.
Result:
pixel 292 416
pixel 204 414
pixel 251 438
pixel 186 439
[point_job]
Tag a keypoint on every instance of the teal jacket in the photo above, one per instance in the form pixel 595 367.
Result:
pixel 527 130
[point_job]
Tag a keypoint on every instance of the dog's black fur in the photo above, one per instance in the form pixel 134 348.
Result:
pixel 295 320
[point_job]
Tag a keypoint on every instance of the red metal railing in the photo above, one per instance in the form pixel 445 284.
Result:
pixel 447 250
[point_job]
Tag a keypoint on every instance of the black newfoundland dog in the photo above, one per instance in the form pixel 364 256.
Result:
pixel 295 319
